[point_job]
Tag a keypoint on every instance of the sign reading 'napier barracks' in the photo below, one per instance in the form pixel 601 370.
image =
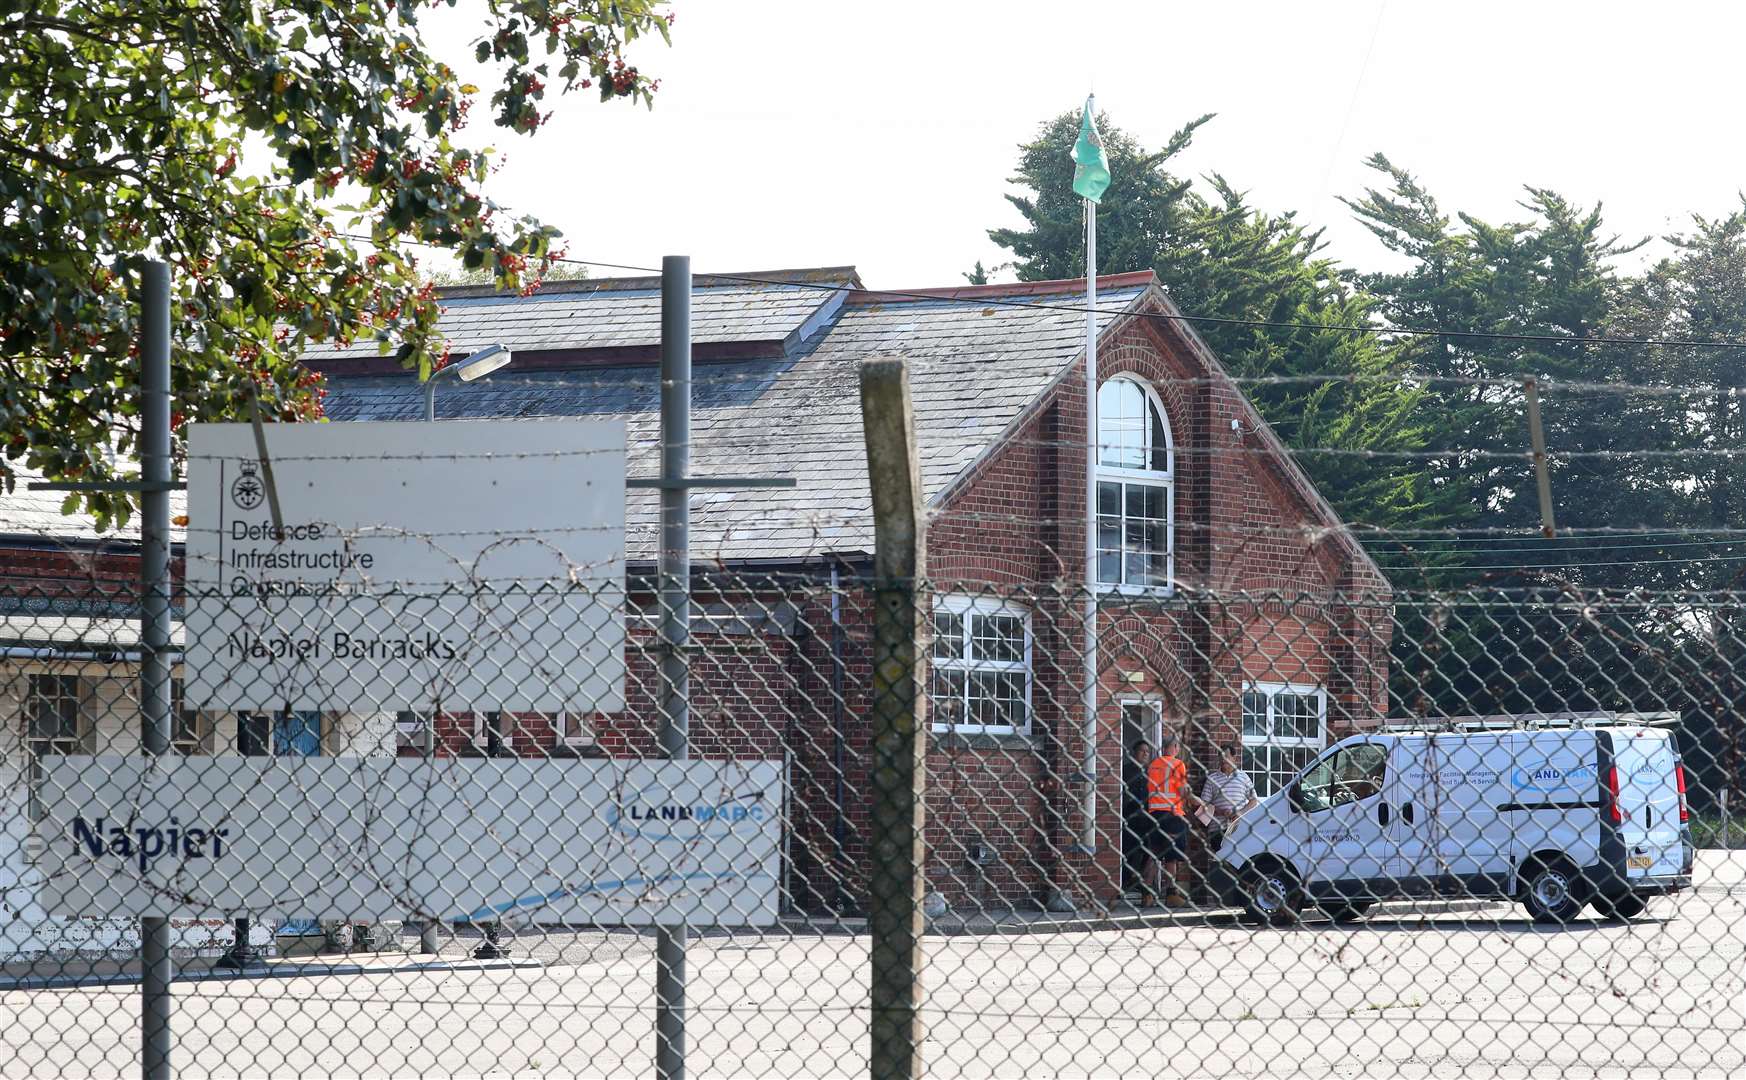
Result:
pixel 457 839
pixel 468 564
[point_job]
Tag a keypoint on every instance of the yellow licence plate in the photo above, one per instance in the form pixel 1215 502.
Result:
pixel 1640 862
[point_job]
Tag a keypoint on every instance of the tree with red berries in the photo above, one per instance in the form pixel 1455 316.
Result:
pixel 123 127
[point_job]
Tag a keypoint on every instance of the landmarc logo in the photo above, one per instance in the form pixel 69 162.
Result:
pixel 656 815
pixel 1549 777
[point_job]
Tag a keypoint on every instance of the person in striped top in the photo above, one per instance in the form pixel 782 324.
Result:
pixel 1227 791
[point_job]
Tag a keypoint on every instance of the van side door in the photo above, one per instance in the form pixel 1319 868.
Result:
pixel 1414 862
pixel 1350 835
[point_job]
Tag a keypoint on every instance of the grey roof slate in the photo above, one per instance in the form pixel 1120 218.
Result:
pixel 626 313
pixel 973 370
pixel 37 514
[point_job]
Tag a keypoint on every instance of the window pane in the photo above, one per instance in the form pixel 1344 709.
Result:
pixel 946 697
pixel 1297 757
pixel 1255 764
pixel 948 636
pixel 53 709
pixel 997 700
pixel 1254 715
pixel 1152 538
pixel 1155 501
pixel 1160 441
pixel 1318 785
pixel 1109 498
pixel 1121 425
pixel 1358 773
pixel 997 637
pixel 1297 716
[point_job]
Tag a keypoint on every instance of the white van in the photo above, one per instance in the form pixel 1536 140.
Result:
pixel 1554 814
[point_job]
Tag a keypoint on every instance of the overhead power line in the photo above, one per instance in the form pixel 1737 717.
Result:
pixel 1218 320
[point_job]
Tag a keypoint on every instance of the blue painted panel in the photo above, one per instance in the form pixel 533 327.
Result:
pixel 297 734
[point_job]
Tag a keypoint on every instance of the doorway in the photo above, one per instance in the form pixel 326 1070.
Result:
pixel 1142 718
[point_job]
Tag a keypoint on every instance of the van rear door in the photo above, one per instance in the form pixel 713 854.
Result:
pixel 1648 802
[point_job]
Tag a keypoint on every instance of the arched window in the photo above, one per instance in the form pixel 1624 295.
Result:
pixel 1136 489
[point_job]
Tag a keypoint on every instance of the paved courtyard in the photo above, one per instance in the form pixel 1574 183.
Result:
pixel 1474 993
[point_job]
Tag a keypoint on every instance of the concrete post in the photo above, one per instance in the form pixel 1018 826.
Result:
pixel 898 708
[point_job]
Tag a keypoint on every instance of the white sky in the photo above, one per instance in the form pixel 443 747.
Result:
pixel 881 134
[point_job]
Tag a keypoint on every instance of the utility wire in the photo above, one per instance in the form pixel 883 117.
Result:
pixel 947 296
pixel 1220 320
pixel 1549 548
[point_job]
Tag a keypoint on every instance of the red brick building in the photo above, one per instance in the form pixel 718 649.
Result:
pixel 1234 607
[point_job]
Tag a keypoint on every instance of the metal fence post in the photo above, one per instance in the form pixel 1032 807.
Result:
pixel 896 879
pixel 675 610
pixel 154 678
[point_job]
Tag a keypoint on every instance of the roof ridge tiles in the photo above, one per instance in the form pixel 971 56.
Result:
pixel 1055 286
pixel 846 276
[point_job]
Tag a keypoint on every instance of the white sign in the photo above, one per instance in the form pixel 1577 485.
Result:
pixel 463 565
pixel 631 842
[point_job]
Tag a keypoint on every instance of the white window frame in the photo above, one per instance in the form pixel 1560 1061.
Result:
pixel 582 738
pixel 970 607
pixel 1271 740
pixel 1129 477
pixel 37 747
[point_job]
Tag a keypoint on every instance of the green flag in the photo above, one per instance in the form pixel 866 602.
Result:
pixel 1090 166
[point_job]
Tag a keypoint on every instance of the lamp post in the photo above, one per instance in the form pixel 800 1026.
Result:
pixel 473 366
pixel 253 730
pixel 493 947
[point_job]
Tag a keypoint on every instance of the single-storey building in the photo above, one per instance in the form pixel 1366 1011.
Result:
pixel 1233 606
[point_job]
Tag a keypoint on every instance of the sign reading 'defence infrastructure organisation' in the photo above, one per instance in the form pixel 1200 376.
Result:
pixel 475 564
pixel 455 839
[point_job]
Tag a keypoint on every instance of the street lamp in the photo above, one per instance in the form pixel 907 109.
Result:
pixel 493 947
pixel 475 366
pixel 253 733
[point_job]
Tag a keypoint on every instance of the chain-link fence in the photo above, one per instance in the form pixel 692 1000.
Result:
pixel 1481 833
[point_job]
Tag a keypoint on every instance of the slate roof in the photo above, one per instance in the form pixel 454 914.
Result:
pixel 973 370
pixel 777 397
pixel 37 514
pixel 625 313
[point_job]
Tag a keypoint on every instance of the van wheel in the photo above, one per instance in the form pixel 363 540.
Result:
pixel 1549 892
pixel 1352 912
pixel 1622 906
pixel 1270 895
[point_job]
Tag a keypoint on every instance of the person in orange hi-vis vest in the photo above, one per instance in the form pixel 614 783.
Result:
pixel 1169 800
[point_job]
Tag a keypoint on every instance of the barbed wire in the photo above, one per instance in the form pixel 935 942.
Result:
pixel 1457 453
pixel 708 373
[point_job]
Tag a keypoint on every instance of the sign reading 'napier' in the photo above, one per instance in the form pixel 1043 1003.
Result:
pixel 460 839
pixel 420 566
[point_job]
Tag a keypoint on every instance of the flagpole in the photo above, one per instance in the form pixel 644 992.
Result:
pixel 1089 768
